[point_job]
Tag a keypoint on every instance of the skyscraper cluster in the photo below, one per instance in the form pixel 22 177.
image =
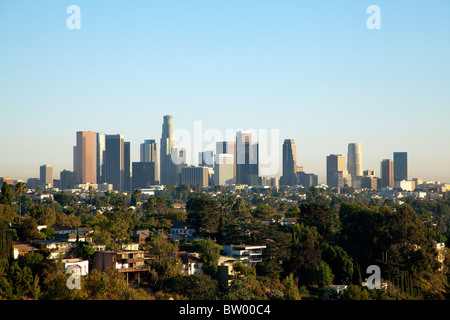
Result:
pixel 105 160
pixel 392 172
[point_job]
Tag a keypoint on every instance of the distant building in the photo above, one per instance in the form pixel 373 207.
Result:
pixel 307 180
pixel 405 185
pixel 335 164
pixel 32 183
pixel 115 161
pixel 354 160
pixel 67 179
pixel 85 157
pixel 149 153
pixel 46 176
pixel 290 168
pixel 224 169
pixel 206 159
pixel 229 148
pixel 387 173
pixel 193 176
pixel 143 175
pixel 166 146
pixel 400 166
pixel 247 157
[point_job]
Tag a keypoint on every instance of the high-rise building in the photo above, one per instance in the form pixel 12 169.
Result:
pixel 177 163
pixel 290 168
pixel 115 160
pixel 143 175
pixel 247 159
pixel 387 173
pixel 195 176
pixel 307 180
pixel 67 179
pixel 206 158
pixel 167 144
pixel 229 148
pixel 400 166
pixel 354 160
pixel 126 184
pixel 335 163
pixel 224 169
pixel 85 155
pixel 149 153
pixel 101 149
pixel 46 176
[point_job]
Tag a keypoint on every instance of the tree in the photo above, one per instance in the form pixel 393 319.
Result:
pixel 21 188
pixel 210 253
pixel 197 287
pixel 135 197
pixel 291 288
pixel 203 213
pixel 306 255
pixel 6 245
pixel 164 264
pixel 6 196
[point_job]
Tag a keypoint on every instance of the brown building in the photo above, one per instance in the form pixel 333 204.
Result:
pixel 122 260
pixel 85 157
pixel 387 173
pixel 335 164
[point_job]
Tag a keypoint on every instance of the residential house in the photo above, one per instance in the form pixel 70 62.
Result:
pixel 77 266
pixel 191 262
pixel 248 254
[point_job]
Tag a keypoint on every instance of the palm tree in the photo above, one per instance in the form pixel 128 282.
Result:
pixel 21 188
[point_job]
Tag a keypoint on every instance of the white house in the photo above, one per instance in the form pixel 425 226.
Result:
pixel 76 266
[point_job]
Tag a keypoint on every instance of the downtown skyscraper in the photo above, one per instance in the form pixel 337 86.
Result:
pixel 400 166
pixel 85 157
pixel 290 168
pixel 247 157
pixel 166 146
pixel 354 160
pixel 149 153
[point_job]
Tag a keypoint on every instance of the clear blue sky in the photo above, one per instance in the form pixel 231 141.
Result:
pixel 311 70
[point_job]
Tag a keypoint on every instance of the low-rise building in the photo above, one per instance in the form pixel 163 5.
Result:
pixel 248 254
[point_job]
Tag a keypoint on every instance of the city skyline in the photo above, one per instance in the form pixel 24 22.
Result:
pixel 97 152
pixel 313 71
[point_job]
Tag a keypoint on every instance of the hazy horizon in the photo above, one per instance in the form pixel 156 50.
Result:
pixel 312 71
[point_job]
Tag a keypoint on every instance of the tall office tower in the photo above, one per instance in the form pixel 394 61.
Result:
pixel 224 169
pixel 101 149
pixel 228 147
pixel 115 160
pixel 167 144
pixel 67 179
pixel 354 160
pixel 46 176
pixel 195 176
pixel 247 159
pixel 400 166
pixel 149 153
pixel 126 184
pixel 387 173
pixel 290 168
pixel 206 159
pixel 335 163
pixel 85 154
pixel 177 163
pixel 143 175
